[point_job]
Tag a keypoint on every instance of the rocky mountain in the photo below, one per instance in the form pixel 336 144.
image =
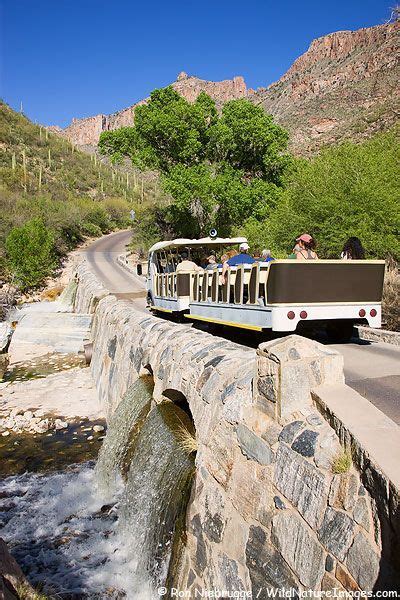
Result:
pixel 86 132
pixel 344 86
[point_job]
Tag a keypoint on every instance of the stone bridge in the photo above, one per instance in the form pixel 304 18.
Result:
pixel 291 490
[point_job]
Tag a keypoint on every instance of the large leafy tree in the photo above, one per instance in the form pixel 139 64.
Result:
pixel 218 169
pixel 248 139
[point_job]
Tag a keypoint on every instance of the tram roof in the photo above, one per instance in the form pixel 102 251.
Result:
pixel 207 241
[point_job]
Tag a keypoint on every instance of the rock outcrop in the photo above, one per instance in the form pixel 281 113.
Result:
pixel 344 86
pixel 86 132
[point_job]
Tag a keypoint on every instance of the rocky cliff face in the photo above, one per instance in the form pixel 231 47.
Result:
pixel 86 132
pixel 344 86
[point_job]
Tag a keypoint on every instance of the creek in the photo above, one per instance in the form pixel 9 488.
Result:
pixel 111 528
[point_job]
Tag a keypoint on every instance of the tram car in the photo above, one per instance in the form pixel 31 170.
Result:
pixel 280 295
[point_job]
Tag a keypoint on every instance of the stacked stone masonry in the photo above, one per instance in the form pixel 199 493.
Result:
pixel 269 506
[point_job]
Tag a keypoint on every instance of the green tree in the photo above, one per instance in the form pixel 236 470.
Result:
pixel 248 139
pixel 347 190
pixel 218 170
pixel 30 253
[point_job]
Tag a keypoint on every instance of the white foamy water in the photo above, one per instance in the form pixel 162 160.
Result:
pixel 57 532
pixel 109 531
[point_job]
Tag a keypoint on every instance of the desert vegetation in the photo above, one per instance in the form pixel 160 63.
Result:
pixel 52 196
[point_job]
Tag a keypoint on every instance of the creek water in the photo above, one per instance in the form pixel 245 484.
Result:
pixel 111 529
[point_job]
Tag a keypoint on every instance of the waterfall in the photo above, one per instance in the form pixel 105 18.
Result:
pixel 67 296
pixel 157 491
pixel 114 530
pixel 122 432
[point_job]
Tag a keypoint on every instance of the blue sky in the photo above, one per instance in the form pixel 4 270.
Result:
pixel 66 58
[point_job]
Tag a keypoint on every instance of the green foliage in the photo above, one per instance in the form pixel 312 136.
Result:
pixel 232 171
pixel 247 138
pixel 342 462
pixel 347 190
pixel 74 196
pixel 30 252
pixel 168 131
pixel 207 197
pixel 218 170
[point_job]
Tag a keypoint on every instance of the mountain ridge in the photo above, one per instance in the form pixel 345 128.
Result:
pixel 343 86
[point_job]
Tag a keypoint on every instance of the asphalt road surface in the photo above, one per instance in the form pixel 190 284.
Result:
pixel 371 368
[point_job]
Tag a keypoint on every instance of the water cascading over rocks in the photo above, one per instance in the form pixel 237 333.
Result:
pixel 123 429
pixel 157 491
pixel 153 451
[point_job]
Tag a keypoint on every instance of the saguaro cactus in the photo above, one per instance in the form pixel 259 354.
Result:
pixel 49 158
pixel 13 161
pixel 24 169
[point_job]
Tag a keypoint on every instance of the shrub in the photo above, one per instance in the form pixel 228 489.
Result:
pixel 391 298
pixel 30 253
pixel 91 229
pixel 347 190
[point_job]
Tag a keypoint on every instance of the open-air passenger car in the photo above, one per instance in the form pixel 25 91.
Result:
pixel 281 295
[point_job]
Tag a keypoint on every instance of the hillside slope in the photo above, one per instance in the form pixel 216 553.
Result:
pixel 344 86
pixel 42 175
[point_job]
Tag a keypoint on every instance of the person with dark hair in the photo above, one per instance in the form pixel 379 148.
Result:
pixel 306 247
pixel 186 264
pixel 353 250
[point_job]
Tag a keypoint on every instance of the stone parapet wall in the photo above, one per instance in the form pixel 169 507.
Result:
pixel 89 290
pixel 276 501
pixel 378 335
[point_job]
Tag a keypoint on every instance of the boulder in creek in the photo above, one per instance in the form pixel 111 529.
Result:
pixel 12 579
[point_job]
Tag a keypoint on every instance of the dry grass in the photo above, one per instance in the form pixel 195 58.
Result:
pixel 186 440
pixel 26 592
pixel 391 298
pixel 53 293
pixel 342 462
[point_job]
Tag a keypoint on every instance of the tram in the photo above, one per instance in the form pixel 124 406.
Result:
pixel 280 295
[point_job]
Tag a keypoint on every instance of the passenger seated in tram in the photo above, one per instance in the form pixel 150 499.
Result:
pixel 266 256
pixel 306 247
pixel 353 250
pixel 211 262
pixel 186 264
pixel 243 258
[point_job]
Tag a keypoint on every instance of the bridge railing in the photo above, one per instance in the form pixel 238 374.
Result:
pixel 244 284
pixel 241 285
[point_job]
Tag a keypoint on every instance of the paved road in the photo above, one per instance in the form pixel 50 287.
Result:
pixel 102 257
pixel 373 369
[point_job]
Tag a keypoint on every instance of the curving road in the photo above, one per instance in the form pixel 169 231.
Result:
pixel 102 257
pixel 371 368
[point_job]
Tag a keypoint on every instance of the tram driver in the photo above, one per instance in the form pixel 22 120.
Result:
pixel 186 264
